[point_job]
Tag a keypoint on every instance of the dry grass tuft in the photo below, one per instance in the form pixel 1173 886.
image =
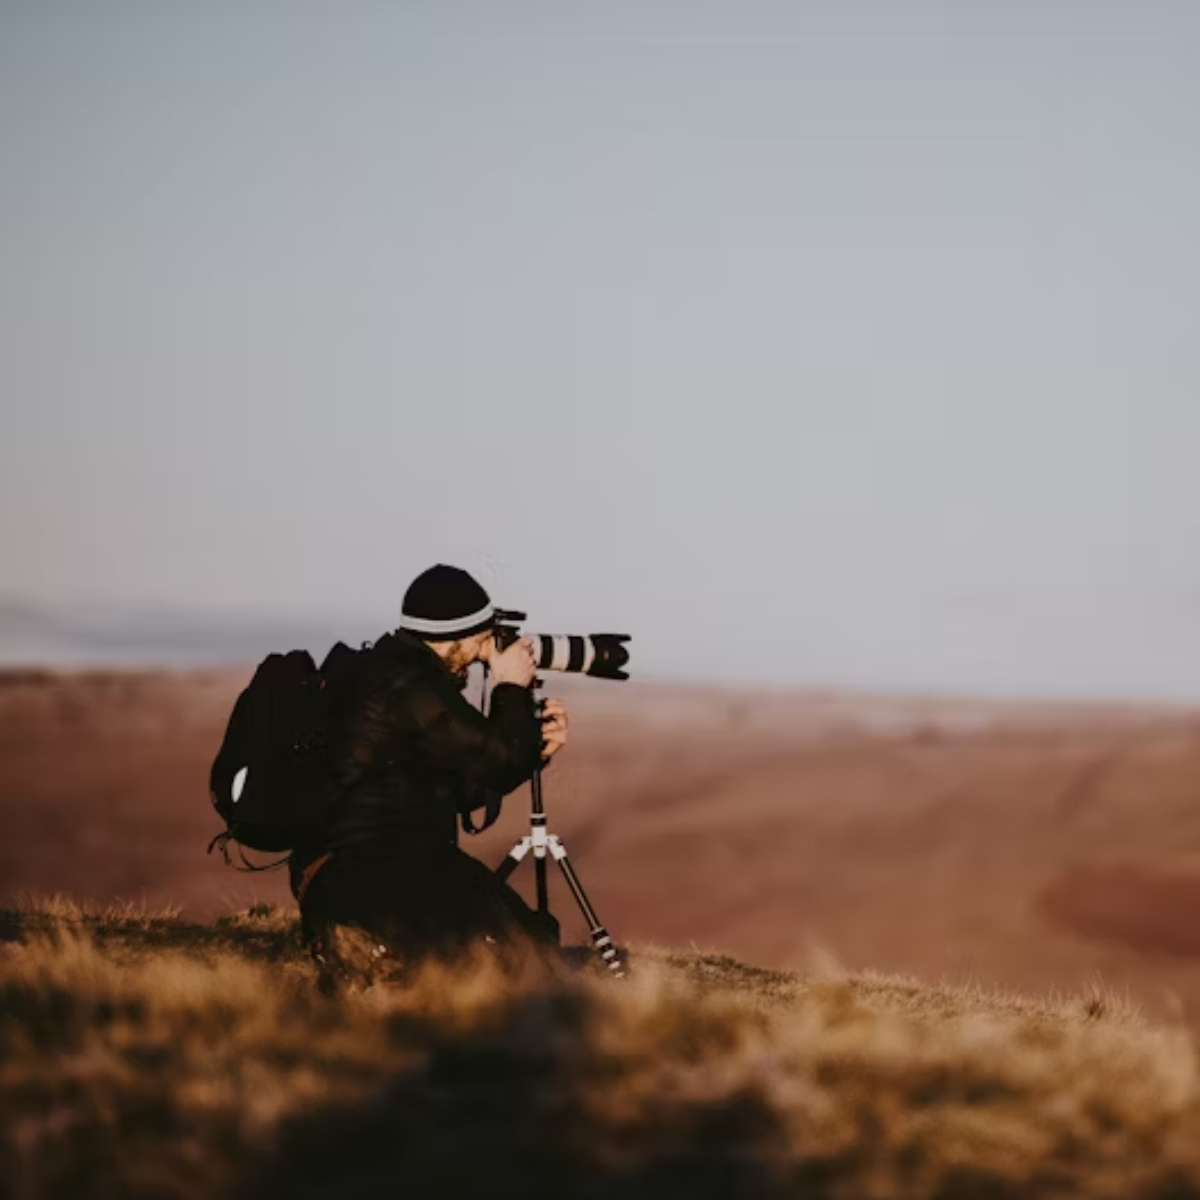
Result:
pixel 142 1056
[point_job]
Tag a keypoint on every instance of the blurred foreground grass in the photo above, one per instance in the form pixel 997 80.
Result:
pixel 142 1056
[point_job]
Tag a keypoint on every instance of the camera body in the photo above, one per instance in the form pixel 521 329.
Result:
pixel 601 655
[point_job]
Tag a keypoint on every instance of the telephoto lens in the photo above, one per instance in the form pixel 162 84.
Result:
pixel 602 655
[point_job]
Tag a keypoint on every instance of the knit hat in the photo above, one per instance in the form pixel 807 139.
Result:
pixel 444 603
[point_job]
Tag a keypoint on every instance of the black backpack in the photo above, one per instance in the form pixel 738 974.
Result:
pixel 269 780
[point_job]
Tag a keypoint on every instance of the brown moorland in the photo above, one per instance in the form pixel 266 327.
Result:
pixel 1033 847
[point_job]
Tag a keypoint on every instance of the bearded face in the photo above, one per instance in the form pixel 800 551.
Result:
pixel 459 656
pixel 458 661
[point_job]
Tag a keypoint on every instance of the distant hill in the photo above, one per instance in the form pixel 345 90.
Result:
pixel 37 634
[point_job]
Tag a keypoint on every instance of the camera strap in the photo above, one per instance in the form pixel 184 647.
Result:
pixel 491 810
pixel 490 814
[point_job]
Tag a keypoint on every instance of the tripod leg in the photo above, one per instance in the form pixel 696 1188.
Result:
pixel 600 939
pixel 518 852
pixel 540 841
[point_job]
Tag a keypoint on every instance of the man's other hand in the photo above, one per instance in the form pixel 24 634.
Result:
pixel 514 665
pixel 554 727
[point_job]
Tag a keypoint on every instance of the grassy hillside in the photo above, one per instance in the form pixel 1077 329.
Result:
pixel 141 1056
pixel 1027 847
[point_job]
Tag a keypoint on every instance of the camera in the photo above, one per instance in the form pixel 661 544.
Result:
pixel 602 655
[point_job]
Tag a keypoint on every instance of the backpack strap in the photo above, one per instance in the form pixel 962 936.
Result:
pixel 222 840
pixel 309 872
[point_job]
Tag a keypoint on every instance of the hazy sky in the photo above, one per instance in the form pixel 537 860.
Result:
pixel 837 343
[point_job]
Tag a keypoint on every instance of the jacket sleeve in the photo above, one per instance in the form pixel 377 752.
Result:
pixel 493 753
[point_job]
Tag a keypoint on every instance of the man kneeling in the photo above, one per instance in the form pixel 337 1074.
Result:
pixel 415 756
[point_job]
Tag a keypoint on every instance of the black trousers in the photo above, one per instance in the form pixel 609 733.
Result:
pixel 437 902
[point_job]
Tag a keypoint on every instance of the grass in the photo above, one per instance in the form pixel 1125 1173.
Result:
pixel 144 1056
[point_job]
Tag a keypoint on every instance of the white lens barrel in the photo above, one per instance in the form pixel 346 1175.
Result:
pixel 563 652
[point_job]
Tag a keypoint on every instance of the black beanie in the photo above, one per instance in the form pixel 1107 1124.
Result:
pixel 444 603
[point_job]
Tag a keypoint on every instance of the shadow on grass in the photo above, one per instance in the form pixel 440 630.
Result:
pixel 527 1108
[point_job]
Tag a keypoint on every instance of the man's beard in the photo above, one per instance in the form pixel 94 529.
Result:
pixel 459 667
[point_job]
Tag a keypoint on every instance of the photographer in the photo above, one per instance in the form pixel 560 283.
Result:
pixel 416 756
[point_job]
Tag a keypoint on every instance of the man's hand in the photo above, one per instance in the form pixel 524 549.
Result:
pixel 514 665
pixel 554 727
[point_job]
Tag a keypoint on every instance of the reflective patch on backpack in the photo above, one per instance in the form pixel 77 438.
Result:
pixel 239 784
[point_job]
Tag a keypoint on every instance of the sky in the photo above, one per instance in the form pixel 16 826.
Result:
pixel 824 344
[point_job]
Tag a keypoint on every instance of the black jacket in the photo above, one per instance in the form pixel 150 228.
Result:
pixel 415 754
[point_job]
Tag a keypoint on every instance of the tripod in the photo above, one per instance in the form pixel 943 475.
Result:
pixel 540 841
